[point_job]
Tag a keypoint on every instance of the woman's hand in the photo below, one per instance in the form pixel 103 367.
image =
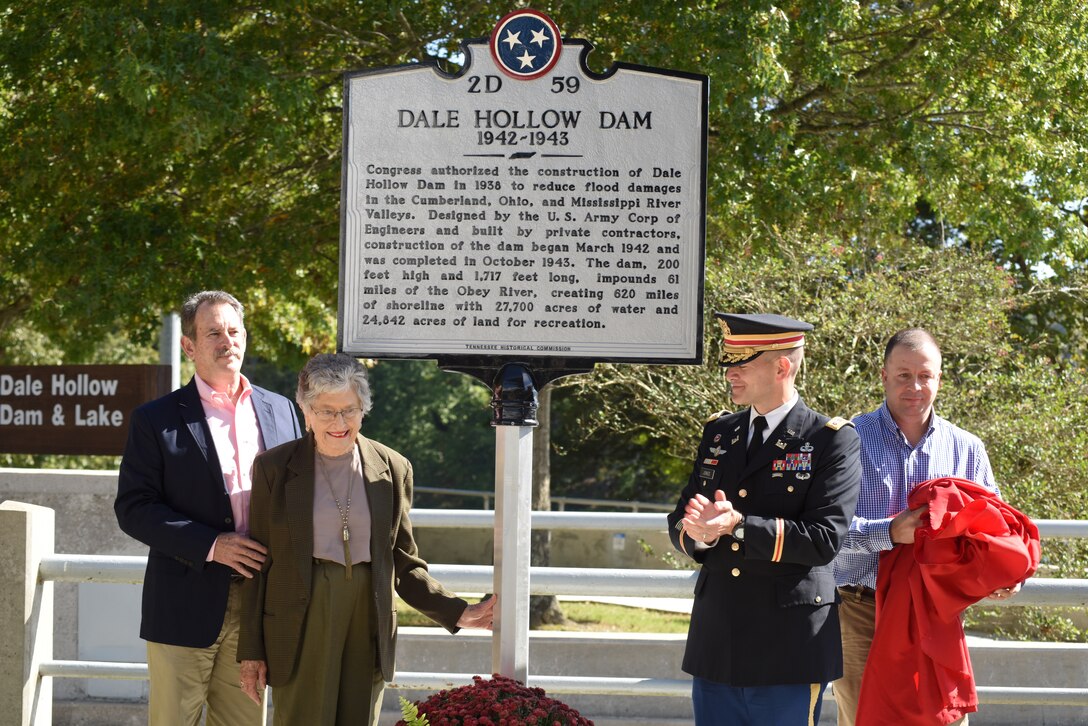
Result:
pixel 479 615
pixel 254 678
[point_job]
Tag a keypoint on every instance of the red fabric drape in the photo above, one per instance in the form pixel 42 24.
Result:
pixel 971 544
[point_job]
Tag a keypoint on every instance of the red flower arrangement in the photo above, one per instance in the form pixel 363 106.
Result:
pixel 498 701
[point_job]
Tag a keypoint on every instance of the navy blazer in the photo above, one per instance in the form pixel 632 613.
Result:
pixel 171 497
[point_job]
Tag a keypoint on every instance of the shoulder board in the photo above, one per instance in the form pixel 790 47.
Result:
pixel 718 415
pixel 838 422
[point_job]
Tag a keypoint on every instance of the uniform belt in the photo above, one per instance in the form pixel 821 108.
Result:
pixel 858 593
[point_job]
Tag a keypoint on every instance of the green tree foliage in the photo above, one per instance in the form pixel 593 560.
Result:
pixel 860 296
pixel 870 165
pixel 958 123
pixel 149 150
pixel 843 115
pixel 439 420
pixel 152 149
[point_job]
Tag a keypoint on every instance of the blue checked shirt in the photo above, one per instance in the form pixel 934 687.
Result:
pixel 890 469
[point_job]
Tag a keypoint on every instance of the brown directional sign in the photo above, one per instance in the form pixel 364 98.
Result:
pixel 73 409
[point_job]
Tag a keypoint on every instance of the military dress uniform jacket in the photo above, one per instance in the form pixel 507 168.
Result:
pixel 274 603
pixel 765 609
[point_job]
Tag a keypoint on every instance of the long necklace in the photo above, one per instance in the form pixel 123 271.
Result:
pixel 344 511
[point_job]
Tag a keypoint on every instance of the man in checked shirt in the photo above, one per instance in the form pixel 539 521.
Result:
pixel 903 443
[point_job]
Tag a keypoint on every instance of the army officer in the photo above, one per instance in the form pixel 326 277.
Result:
pixel 764 512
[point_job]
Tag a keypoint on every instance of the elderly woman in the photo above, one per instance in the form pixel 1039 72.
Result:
pixel 319 622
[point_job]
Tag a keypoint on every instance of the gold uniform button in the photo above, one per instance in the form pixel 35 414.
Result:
pixel 736 547
pixel 736 572
pixel 819 599
pixel 742 493
pixel 789 488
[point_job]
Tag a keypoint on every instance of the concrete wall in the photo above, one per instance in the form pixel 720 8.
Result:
pixel 1051 665
pixel 659 656
pixel 26 614
pixel 85 524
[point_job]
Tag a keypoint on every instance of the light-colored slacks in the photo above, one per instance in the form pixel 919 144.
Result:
pixel 184 679
pixel 857 619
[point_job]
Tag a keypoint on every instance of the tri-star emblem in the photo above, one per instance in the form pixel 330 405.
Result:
pixel 526 44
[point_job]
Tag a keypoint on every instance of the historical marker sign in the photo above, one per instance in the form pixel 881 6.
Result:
pixel 525 207
pixel 73 409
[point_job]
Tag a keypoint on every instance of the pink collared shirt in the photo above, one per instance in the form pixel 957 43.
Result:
pixel 237 440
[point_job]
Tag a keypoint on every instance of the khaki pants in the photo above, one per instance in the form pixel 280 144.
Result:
pixel 857 619
pixel 336 681
pixel 184 679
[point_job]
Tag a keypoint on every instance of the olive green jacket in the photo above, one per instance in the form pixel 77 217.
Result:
pixel 281 518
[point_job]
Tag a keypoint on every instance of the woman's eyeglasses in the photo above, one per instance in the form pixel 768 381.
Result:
pixel 328 415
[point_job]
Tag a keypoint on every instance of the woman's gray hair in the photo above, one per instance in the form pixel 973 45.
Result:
pixel 332 373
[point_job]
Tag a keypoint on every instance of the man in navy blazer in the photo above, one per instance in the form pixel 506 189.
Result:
pixel 183 490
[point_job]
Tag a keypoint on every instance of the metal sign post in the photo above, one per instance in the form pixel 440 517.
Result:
pixel 514 404
pixel 521 220
pixel 170 347
pixel 513 522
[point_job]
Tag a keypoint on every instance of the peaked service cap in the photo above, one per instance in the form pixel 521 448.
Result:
pixel 746 336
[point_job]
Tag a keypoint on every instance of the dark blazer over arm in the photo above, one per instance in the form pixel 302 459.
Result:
pixel 281 517
pixel 171 497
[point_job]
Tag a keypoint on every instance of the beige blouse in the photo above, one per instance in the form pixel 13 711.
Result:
pixel 345 473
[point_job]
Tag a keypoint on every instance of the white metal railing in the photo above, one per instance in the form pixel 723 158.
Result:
pixel 576 581
pixel 559 502
pixel 570 581
pixel 555 581
pixel 642 522
pixel 573 581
